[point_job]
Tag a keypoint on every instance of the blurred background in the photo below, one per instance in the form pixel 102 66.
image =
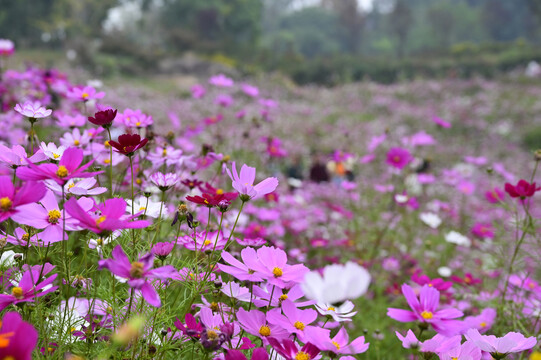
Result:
pixel 324 42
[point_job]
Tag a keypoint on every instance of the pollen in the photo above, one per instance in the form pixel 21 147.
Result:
pixel 62 171
pixel 106 161
pixel 17 292
pixel 56 156
pixel 427 315
pixel 336 344
pixel 219 192
pixel 207 243
pixel 5 203
pixel 4 340
pixel 106 144
pixel 26 237
pixel 264 330
pixel 277 272
pixel 71 185
pixel 137 269
pixel 76 142
pixel 483 324
pixel 100 220
pixel 164 152
pixel 299 325
pixel 454 358
pixel 212 335
pixel 214 306
pixel 301 355
pixel 138 123
pixel 85 95
pixel 282 297
pixel 54 215
pixel 330 308
pixel 142 208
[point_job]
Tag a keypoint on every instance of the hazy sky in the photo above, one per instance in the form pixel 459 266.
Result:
pixel 363 4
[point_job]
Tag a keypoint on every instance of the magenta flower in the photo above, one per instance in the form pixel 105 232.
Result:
pixel 138 272
pixel 192 329
pixel 67 168
pixel 437 283
pixel 483 230
pixel 48 216
pixel 439 121
pixel 17 337
pixel 290 351
pixel 398 157
pixel 482 322
pixel 198 91
pixel 16 156
pixel 134 118
pixel 255 322
pixel 245 183
pixel 512 342
pixel 31 286
pixel 425 310
pixel 84 93
pixel 7 47
pixel 409 341
pixel 203 241
pixel 258 354
pixel 221 80
pixel 339 344
pixel 466 351
pixel 263 295
pixel 12 198
pixel 495 196
pixel 111 216
pixel 294 320
pixel 523 189
pixel 32 110
pixel 273 267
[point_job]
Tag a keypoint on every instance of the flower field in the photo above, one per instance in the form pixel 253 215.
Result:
pixel 260 220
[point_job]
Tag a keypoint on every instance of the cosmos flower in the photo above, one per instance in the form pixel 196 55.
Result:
pixel 522 189
pixel 294 320
pixel 255 322
pixel 258 354
pixel 139 273
pixel 103 118
pixel 84 93
pixel 32 110
pixel 16 156
pixel 511 342
pixel 11 198
pixel 398 157
pixel 425 310
pixel 339 344
pixel 338 283
pixel 290 351
pixel 245 183
pixel 128 144
pixel 221 80
pixel 7 47
pixel 17 337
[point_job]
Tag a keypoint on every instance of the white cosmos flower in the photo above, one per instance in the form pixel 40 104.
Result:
pixel 150 208
pixel 430 219
pixel 338 313
pixel 8 258
pixel 457 238
pixel 338 283
pixel 52 151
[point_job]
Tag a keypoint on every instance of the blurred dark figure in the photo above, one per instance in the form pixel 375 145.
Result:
pixel 295 169
pixel 318 170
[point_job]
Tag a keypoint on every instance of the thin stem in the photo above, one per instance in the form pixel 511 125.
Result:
pixel 132 200
pixel 110 161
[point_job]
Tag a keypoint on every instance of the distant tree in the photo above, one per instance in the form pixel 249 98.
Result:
pixel 401 22
pixel 351 18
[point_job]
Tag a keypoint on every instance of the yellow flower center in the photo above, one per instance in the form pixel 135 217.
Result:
pixel 100 220
pixel 330 308
pixel 301 355
pixel 207 243
pixel 142 208
pixel 454 358
pixel 5 203
pixel 26 237
pixel 137 269
pixel 99 242
pixel 336 344
pixel 219 191
pixel 85 95
pixel 299 325
pixel 76 142
pixel 56 156
pixel 265 330
pixel 212 335
pixel 106 144
pixel 9 357
pixel 17 292
pixel 62 171
pixel 138 123
pixel 164 152
pixel 106 161
pixel 214 306
pixel 277 272
pixel 54 215
pixel 483 324
pixel 427 315
pixel 282 298
pixel 138 181
pixel 71 185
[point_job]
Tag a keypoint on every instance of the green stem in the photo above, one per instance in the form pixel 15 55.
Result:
pixel 110 161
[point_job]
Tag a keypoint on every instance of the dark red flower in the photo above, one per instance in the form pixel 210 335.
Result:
pixel 523 189
pixel 468 279
pixel 212 200
pixel 192 183
pixel 128 144
pixel 103 118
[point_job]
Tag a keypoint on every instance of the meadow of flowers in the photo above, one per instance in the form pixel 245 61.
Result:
pixel 152 226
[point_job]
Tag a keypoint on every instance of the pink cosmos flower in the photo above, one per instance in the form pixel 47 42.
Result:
pixel 399 157
pixel 290 351
pixel 11 198
pixel 48 216
pixel 267 294
pixel 425 310
pixel 409 341
pixel 441 122
pixel 523 189
pixel 224 100
pixel 339 344
pixel 482 322
pixel 495 196
pixel 68 121
pixel 255 322
pixel 111 216
pixel 16 156
pixel 84 93
pixel 203 241
pixel 33 284
pixel 241 271
pixel 84 187
pixel 245 183
pixel 138 272
pixel 198 91
pixel 258 354
pixel 272 265
pixel 294 320
pixel 18 337
pixel 483 230
pixel 512 342
pixel 134 118
pixel 22 238
pixel 164 181
pixel 32 110
pixel 437 283
pixel 67 168
pixel 250 90
pixel 466 351
pixel 221 80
